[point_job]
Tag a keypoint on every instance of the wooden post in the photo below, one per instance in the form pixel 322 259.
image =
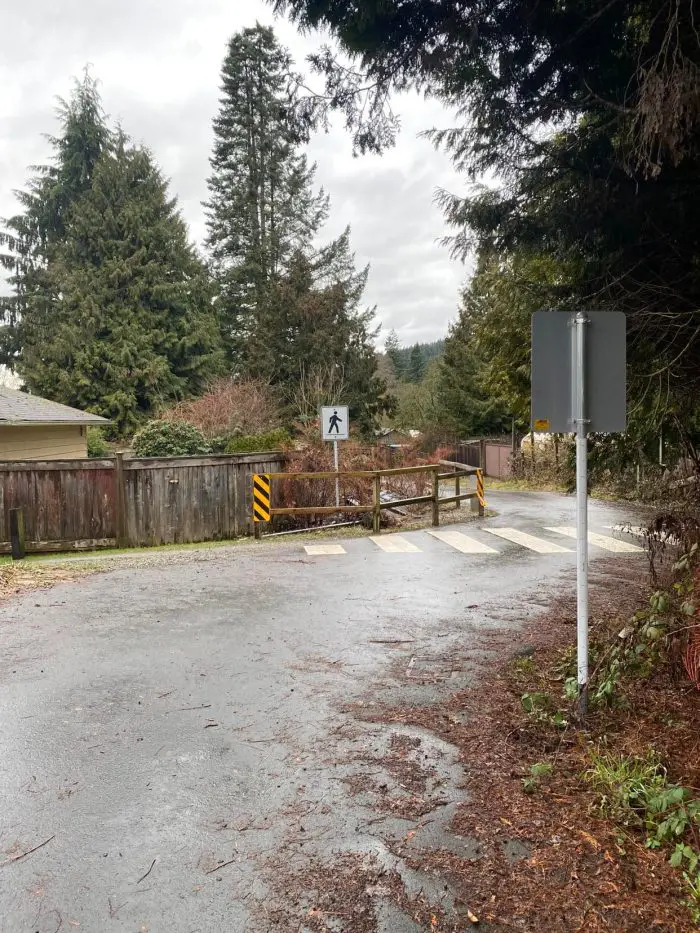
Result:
pixel 17 536
pixel 436 497
pixel 121 500
pixel 482 455
pixel 377 514
pixel 458 504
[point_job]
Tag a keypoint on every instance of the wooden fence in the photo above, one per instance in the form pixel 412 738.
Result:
pixel 492 456
pixel 438 473
pixel 81 504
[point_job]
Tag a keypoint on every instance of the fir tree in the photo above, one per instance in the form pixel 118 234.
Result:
pixel 31 236
pixel 312 327
pixel 133 326
pixel 392 348
pixel 286 307
pixel 261 207
pixel 111 308
pixel 416 366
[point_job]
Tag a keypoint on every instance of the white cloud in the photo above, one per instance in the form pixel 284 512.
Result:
pixel 158 63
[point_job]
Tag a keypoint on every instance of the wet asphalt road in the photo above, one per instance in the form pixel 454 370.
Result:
pixel 188 714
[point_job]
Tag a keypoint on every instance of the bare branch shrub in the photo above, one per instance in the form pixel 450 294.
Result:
pixel 230 406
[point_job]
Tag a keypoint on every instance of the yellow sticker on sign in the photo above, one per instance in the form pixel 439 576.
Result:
pixel 541 424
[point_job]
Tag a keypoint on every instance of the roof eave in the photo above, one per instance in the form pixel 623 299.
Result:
pixel 89 422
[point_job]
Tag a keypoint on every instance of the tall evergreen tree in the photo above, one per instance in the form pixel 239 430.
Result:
pixel 134 325
pixel 30 237
pixel 286 307
pixel 112 308
pixel 261 208
pixel 416 365
pixel 311 328
pixel 392 348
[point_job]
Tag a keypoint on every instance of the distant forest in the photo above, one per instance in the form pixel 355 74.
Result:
pixel 411 363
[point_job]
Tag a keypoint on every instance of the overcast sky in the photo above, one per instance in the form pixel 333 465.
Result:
pixel 158 63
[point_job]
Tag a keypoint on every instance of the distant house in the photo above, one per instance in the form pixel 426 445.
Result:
pixel 391 437
pixel 33 428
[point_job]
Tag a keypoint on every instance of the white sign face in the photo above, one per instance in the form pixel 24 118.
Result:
pixel 335 423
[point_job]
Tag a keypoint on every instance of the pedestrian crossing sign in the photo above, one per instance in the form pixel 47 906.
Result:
pixel 335 423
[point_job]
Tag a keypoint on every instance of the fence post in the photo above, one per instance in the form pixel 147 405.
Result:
pixel 377 514
pixel 121 500
pixel 17 534
pixel 482 454
pixel 436 497
pixel 458 504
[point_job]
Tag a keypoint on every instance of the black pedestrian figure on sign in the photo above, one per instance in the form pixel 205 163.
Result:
pixel 334 423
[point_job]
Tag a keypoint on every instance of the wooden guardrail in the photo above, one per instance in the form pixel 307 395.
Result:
pixel 264 511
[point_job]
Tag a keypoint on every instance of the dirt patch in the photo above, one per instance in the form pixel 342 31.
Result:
pixel 349 894
pixel 19 578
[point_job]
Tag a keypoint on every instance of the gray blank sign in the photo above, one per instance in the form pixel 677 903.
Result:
pixel 553 375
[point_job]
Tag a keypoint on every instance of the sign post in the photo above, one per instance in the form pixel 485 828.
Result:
pixel 579 385
pixel 335 426
pixel 579 416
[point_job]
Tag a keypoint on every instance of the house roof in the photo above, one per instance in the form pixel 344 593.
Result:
pixel 22 408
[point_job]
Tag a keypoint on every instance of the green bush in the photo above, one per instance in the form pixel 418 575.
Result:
pixel 169 439
pixel 252 443
pixel 97 446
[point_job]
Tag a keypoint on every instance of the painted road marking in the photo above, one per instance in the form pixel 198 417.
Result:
pixel 395 544
pixel 603 541
pixel 528 541
pixel 319 549
pixel 462 542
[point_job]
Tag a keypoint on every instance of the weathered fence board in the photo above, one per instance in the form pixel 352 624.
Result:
pixel 74 504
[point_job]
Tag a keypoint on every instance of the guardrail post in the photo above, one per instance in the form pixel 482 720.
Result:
pixel 436 497
pixel 377 513
pixel 458 504
pixel 17 534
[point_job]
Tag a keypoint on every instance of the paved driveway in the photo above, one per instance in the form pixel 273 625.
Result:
pixel 169 729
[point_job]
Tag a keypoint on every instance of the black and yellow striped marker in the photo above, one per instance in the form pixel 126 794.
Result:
pixel 261 497
pixel 480 488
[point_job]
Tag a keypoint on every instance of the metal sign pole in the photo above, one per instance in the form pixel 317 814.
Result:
pixel 337 479
pixel 581 323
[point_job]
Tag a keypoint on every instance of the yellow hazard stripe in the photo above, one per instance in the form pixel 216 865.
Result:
pixel 261 497
pixel 480 487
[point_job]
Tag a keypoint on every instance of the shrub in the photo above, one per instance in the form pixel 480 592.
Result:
pixel 230 406
pixel 97 446
pixel 169 439
pixel 251 443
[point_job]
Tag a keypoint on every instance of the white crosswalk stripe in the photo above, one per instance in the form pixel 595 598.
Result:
pixel 601 541
pixel 395 544
pixel 319 549
pixel 462 542
pixel 528 541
